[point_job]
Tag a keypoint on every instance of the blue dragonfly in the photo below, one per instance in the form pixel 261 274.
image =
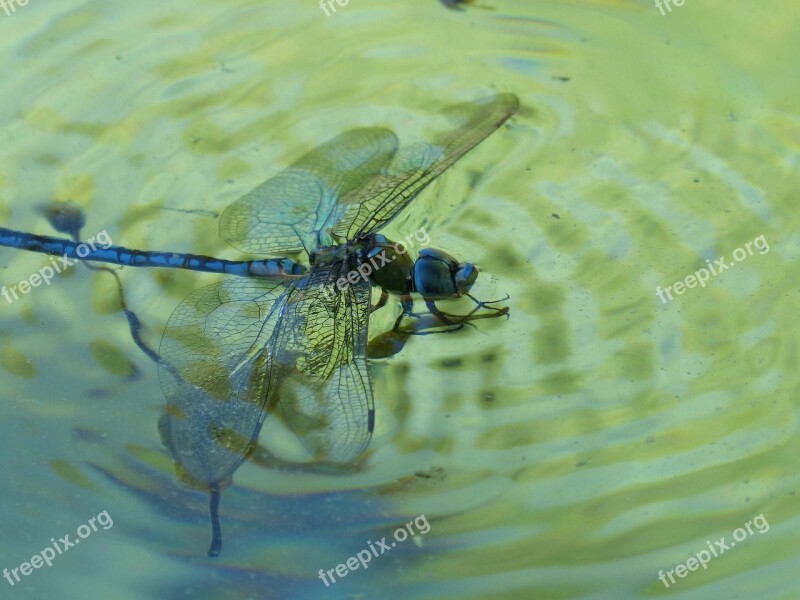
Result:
pixel 284 339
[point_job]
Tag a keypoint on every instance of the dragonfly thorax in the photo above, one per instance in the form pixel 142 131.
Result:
pixel 388 264
pixel 325 255
pixel 434 275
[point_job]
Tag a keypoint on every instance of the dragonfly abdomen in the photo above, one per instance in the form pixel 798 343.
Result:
pixel 118 255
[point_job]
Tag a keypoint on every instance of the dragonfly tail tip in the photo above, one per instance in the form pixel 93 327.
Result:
pixel 216 530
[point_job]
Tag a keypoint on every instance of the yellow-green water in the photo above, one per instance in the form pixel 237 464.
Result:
pixel 595 438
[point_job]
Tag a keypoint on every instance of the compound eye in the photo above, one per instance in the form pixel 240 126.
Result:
pixel 465 277
pixel 433 278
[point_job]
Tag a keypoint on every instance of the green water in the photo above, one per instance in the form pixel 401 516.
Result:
pixel 597 437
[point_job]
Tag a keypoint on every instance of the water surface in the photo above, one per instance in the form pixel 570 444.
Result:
pixel 597 437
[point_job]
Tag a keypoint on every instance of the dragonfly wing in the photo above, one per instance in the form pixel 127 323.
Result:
pixel 320 379
pixel 284 214
pixel 214 372
pixel 378 201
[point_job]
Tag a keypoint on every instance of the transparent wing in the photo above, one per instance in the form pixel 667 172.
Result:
pixel 214 372
pixel 320 380
pixel 371 206
pixel 284 213
pixel 234 350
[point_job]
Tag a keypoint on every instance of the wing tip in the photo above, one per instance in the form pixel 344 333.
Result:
pixel 510 101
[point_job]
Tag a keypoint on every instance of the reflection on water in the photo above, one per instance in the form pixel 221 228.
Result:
pixel 596 438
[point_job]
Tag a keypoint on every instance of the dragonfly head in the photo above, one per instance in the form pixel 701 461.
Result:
pixel 465 276
pixel 439 275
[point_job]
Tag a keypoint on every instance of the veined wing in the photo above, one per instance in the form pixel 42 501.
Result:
pixel 234 350
pixel 319 380
pixel 284 214
pixel 214 371
pixel 369 208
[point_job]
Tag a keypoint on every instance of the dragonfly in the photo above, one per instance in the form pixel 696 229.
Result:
pixel 289 340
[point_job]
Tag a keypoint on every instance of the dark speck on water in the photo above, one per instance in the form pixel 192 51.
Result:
pixel 449 363
pixel 455 4
pixel 434 473
pixel 88 435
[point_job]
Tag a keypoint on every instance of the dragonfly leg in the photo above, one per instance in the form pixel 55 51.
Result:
pixel 443 316
pixel 485 304
pixel 449 318
pixel 408 311
pixel 381 301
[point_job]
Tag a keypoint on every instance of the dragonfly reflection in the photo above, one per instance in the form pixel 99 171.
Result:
pixel 290 341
